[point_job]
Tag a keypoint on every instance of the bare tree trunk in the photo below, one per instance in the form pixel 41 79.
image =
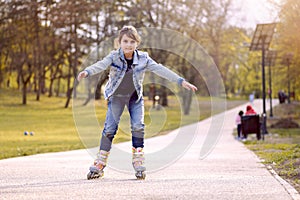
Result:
pixel 187 100
pixel 51 87
pixel 24 94
pixel 163 96
pixel 58 87
pixel 69 96
pixel 69 89
pixel 25 81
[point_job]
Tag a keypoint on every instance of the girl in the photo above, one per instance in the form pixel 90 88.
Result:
pixel 238 122
pixel 124 88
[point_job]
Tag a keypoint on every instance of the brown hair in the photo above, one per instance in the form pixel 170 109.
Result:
pixel 131 32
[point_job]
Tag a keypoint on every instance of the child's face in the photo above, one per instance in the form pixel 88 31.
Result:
pixel 128 45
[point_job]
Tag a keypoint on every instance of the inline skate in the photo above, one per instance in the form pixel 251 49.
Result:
pixel 138 163
pixel 96 170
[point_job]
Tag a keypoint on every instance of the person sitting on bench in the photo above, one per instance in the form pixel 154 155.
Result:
pixel 250 110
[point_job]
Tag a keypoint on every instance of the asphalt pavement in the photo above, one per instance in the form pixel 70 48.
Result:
pixel 226 170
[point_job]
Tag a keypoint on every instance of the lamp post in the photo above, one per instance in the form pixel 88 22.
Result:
pixel 287 60
pixel 261 41
pixel 270 58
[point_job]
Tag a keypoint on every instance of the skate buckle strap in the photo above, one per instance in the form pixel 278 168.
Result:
pixel 138 156
pixel 101 158
pixel 100 162
pixel 137 150
pixel 103 153
pixel 138 159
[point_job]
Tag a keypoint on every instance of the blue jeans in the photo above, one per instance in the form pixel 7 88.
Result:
pixel 116 105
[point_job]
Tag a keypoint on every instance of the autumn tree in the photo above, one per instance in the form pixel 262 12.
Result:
pixel 289 43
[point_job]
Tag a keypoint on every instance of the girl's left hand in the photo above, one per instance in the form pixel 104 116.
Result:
pixel 189 86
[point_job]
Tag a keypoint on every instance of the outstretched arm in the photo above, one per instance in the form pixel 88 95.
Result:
pixel 189 86
pixel 97 67
pixel 168 74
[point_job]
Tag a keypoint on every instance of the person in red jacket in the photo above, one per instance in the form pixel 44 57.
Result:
pixel 250 110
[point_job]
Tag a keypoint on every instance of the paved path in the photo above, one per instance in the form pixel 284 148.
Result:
pixel 230 171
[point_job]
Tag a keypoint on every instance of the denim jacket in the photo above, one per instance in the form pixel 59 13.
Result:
pixel 141 63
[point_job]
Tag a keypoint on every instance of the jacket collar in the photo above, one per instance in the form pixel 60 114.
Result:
pixel 135 56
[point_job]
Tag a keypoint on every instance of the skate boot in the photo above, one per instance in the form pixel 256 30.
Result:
pixel 96 170
pixel 138 162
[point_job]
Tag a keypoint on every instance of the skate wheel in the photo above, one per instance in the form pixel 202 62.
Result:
pixel 89 176
pixel 93 175
pixel 140 175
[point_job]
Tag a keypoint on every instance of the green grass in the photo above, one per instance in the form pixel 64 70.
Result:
pixel 281 147
pixel 283 158
pixel 53 126
pixel 55 129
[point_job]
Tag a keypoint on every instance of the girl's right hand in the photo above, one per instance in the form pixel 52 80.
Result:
pixel 82 75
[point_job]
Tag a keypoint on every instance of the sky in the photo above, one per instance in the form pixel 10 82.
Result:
pixel 251 12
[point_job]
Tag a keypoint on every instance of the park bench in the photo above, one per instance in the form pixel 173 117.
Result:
pixel 251 125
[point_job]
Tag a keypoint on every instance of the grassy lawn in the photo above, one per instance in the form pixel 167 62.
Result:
pixel 55 130
pixel 281 148
pixel 53 126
